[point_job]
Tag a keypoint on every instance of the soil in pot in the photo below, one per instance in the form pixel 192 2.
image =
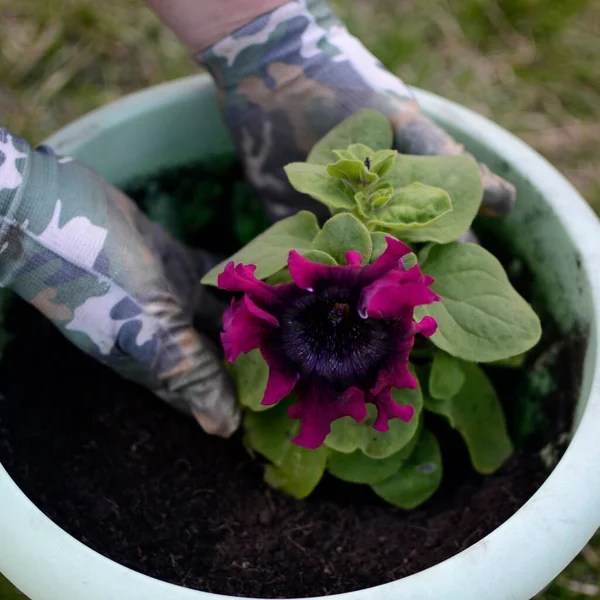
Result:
pixel 141 484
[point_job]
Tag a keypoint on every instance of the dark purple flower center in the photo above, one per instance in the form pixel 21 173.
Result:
pixel 325 337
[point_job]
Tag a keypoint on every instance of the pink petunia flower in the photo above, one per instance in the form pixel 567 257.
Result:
pixel 340 336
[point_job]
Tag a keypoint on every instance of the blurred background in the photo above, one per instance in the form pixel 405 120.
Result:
pixel 533 66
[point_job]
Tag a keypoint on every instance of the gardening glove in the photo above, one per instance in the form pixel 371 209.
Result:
pixel 291 75
pixel 115 284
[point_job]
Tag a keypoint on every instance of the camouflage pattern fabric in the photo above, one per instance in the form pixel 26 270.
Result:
pixel 82 253
pixel 291 75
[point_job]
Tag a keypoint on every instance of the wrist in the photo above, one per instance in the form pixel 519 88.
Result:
pixel 199 25
pixel 294 33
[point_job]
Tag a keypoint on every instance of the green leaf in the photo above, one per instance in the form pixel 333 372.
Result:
pixel 316 256
pixel 379 199
pixel 269 251
pixel 282 276
pixel 354 171
pixel 418 479
pixel 357 467
pixel 411 207
pixel 512 362
pixel 446 376
pixel 343 233
pixel 320 256
pixel 269 432
pixel 294 470
pixel 251 374
pixel 458 175
pixel 300 471
pixel 347 435
pixel 476 413
pixel 383 161
pixel 367 127
pixel 315 181
pixel 379 244
pixel 343 154
pixel 481 317
pixel 361 151
pixel 410 260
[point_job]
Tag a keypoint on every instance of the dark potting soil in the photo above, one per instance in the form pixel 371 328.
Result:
pixel 143 485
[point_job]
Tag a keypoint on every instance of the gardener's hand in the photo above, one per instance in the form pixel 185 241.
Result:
pixel 288 76
pixel 115 284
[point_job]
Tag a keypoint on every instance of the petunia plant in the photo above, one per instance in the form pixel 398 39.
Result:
pixel 341 337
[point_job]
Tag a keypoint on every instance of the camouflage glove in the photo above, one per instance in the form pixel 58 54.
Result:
pixel 291 75
pixel 114 284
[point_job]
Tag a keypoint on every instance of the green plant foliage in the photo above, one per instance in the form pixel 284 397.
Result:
pixel 317 182
pixel 343 233
pixel 481 316
pixel 476 413
pixel 458 176
pixel 347 435
pixel 357 467
pixel 269 251
pixel 373 192
pixel 412 207
pixel 300 471
pixel 368 127
pixel 251 374
pixel 418 479
pixel 446 377
pixel 294 470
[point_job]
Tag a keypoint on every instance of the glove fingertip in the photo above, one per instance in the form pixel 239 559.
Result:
pixel 224 429
pixel 499 195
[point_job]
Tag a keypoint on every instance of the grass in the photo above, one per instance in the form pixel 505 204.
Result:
pixel 530 65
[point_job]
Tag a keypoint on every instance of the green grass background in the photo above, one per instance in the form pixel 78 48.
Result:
pixel 531 65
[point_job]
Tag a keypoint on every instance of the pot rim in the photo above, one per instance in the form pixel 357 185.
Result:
pixel 513 561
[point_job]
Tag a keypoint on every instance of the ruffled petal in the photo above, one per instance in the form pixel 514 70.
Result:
pixel 353 258
pixel 395 293
pixel 318 406
pixel 244 325
pixel 390 259
pixel 240 278
pixel 388 408
pixel 396 372
pixel 426 327
pixel 282 376
pixel 308 275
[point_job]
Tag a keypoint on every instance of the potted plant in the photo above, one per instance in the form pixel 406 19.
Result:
pixel 552 231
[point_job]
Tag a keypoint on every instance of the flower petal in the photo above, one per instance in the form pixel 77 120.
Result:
pixel 396 373
pixel 282 376
pixel 240 278
pixel 388 408
pixel 391 298
pixel 353 258
pixel 318 406
pixel 308 275
pixel 304 272
pixel 244 325
pixel 390 259
pixel 426 327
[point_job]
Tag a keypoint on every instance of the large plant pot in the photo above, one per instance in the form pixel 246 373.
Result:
pixel 178 123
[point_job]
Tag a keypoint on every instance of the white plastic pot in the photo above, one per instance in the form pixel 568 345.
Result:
pixel 177 123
